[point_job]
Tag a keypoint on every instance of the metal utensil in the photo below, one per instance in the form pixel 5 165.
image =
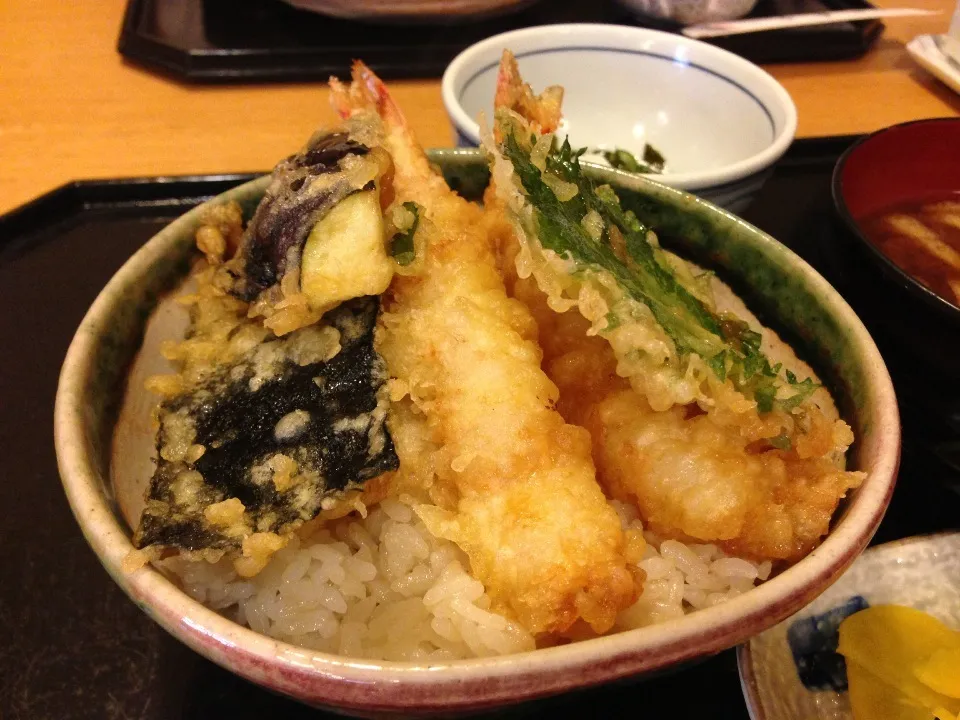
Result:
pixel 751 25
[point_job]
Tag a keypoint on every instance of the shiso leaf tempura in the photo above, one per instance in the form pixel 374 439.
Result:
pixel 410 427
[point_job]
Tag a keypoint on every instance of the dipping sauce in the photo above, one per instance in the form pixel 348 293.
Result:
pixel 923 238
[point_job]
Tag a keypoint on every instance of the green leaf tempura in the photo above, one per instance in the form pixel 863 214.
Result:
pixel 628 252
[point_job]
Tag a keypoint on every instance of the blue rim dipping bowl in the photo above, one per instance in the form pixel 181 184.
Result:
pixel 720 121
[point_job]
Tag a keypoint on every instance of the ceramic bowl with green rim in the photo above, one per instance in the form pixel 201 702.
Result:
pixel 791 297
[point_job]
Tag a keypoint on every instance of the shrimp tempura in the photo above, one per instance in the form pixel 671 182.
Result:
pixel 507 479
pixel 698 458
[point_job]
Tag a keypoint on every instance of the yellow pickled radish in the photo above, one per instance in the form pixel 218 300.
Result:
pixel 941 671
pixel 873 699
pixel 885 646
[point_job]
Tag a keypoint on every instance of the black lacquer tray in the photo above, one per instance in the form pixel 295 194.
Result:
pixel 257 40
pixel 73 646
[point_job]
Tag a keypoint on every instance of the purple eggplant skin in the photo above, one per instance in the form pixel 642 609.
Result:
pixel 291 206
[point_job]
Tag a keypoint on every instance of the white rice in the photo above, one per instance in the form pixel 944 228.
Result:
pixel 683 577
pixel 384 588
pixel 379 588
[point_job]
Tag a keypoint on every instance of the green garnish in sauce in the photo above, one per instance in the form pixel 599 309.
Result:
pixel 653 162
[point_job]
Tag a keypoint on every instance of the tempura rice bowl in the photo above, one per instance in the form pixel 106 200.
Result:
pixel 792 297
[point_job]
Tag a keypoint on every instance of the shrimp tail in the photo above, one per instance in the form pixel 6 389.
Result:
pixel 542 112
pixel 368 94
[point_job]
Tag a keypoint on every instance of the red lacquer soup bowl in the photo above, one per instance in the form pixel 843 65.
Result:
pixel 902 170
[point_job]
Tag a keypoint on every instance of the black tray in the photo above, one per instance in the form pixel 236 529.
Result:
pixel 244 40
pixel 73 646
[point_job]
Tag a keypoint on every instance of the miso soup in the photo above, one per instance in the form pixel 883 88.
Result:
pixel 923 239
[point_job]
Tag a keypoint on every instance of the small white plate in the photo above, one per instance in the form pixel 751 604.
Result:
pixel 921 572
pixel 925 49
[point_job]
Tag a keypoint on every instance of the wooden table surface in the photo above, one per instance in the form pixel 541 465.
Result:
pixel 71 107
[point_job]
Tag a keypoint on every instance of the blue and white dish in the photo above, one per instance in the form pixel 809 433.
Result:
pixel 792 670
pixel 720 121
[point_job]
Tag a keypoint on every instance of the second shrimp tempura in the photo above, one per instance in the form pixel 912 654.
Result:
pixel 495 467
pixel 691 423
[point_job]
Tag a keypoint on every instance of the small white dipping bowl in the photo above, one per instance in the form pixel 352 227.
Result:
pixel 720 121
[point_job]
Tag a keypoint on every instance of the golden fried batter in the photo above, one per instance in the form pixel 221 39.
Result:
pixel 705 471
pixel 473 423
pixel 691 477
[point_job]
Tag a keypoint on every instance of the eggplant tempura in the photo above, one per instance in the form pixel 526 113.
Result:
pixel 408 426
pixel 271 421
